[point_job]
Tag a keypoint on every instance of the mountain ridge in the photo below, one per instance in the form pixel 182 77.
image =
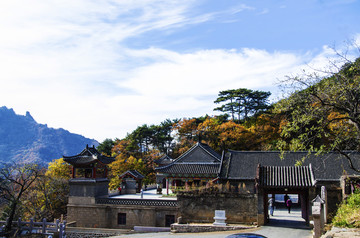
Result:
pixel 23 139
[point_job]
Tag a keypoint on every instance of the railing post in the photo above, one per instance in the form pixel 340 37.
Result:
pixel 44 226
pixel 19 223
pixel 57 224
pixel 62 230
pixel 31 225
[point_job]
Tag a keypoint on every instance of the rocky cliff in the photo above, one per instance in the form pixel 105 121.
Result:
pixel 23 139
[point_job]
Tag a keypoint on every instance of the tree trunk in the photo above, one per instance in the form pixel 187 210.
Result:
pixel 10 219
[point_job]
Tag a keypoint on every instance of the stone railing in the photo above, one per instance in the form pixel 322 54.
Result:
pixel 137 202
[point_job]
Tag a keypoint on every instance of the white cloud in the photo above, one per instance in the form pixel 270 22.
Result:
pixel 68 64
pixel 206 72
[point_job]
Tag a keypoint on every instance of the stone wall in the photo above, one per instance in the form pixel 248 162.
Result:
pixel 140 216
pixel 88 187
pixel 200 208
pixel 106 215
pixel 92 216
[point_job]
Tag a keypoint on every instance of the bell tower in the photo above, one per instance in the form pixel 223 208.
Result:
pixel 89 176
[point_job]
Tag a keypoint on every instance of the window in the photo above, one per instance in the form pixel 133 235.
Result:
pixel 169 219
pixel 100 173
pixel 88 173
pixel 122 218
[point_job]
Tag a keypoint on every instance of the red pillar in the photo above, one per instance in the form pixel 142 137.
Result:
pixel 94 172
pixel 167 186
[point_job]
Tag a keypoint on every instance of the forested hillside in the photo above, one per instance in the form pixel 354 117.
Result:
pixel 23 139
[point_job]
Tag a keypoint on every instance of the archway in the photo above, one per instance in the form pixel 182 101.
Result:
pixel 285 180
pixel 300 206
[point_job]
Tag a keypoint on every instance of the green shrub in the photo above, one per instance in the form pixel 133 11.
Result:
pixel 348 214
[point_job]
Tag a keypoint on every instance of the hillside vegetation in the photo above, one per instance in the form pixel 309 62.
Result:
pixel 348 214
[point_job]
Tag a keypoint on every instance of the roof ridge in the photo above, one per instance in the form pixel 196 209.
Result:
pixel 278 151
pixel 187 152
pixel 203 146
pixel 215 162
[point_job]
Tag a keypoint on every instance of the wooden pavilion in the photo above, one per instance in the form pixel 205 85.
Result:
pixel 199 165
pixel 89 173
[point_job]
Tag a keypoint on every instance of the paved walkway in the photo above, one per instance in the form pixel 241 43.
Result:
pixel 284 219
pixel 282 225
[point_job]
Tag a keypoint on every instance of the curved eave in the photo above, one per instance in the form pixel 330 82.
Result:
pixel 191 176
pixel 82 160
pixel 288 187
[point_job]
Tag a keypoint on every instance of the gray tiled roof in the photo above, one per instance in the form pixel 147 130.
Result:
pixel 242 164
pixel 134 173
pixel 288 176
pixel 87 156
pixel 191 169
pixel 200 152
pixel 199 159
pixel 165 159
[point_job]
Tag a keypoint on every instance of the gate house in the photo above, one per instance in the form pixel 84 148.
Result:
pixel 264 173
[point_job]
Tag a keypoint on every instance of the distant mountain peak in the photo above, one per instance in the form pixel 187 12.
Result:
pixel 23 139
pixel 29 116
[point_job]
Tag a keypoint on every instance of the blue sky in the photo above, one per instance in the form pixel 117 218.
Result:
pixel 102 68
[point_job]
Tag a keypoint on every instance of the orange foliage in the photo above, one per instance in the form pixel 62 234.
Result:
pixel 187 132
pixel 262 135
pixel 186 128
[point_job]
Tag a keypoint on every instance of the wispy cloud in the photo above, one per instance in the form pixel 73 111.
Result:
pixel 69 64
pixel 264 11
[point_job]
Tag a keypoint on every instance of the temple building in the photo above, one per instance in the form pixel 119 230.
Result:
pixel 199 165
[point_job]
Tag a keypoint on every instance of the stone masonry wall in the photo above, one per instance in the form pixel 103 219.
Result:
pixel 106 216
pixel 91 216
pixel 200 208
